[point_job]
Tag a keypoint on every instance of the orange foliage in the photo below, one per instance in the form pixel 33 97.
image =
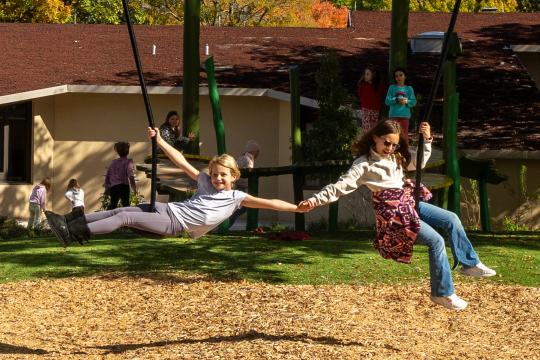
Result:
pixel 326 15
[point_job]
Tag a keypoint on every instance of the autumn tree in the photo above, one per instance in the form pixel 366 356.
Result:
pixel 45 11
pixel 327 15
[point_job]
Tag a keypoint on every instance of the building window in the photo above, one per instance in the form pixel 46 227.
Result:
pixel 16 142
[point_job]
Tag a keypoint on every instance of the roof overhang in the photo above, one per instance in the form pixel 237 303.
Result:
pixel 525 48
pixel 152 90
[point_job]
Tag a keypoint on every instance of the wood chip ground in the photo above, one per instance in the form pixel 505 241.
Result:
pixel 184 317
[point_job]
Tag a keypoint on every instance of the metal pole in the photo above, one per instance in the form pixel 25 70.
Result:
pixel 149 114
pixel 429 105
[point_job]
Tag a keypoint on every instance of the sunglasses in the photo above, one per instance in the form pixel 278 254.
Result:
pixel 391 144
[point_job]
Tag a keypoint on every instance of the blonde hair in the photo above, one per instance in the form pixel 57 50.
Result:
pixel 227 161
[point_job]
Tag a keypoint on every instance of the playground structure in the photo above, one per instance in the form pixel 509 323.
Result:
pixel 446 185
pixel 178 187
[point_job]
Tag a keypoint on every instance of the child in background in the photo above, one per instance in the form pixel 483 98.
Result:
pixel 245 161
pixel 75 194
pixel 171 132
pixel 383 157
pixel 120 175
pixel 400 98
pixel 370 91
pixel 38 199
pixel 214 201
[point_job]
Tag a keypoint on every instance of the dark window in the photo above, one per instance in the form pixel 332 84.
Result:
pixel 16 142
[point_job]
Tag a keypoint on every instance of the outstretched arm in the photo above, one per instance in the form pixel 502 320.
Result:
pixel 272 204
pixel 176 156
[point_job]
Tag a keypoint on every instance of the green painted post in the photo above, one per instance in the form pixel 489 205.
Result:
pixel 450 119
pixel 333 216
pixel 451 161
pixel 190 98
pixel 484 205
pixel 219 126
pixel 398 36
pixel 253 214
pixel 296 146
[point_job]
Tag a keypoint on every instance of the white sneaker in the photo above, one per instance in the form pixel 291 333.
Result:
pixel 452 302
pixel 480 270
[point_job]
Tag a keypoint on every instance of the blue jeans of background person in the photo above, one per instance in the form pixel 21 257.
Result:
pixel 433 217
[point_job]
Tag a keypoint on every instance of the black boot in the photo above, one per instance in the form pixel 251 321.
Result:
pixel 59 227
pixel 75 213
pixel 78 229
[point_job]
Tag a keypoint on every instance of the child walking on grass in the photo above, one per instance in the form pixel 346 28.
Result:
pixel 120 176
pixel 37 201
pixel 383 157
pixel 214 201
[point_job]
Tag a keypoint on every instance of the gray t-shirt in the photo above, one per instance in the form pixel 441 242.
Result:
pixel 207 208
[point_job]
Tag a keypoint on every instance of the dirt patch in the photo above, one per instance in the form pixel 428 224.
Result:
pixel 179 317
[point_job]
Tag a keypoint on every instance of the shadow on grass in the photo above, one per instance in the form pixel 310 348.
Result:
pixel 251 335
pixel 230 257
pixel 225 258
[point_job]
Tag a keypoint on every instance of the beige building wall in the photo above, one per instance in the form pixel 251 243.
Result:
pixel 74 135
pixel 14 197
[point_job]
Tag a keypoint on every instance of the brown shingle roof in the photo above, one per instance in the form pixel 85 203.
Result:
pixel 498 98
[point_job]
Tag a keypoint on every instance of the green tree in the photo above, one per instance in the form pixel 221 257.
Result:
pixel 528 5
pixel 45 11
pixel 334 131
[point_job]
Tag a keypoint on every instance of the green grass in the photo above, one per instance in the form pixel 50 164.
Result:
pixel 343 258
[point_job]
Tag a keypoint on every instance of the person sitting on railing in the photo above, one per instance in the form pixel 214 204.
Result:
pixel 383 156
pixel 214 201
pixel 171 132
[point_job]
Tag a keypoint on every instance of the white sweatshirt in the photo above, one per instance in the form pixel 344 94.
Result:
pixel 76 196
pixel 376 171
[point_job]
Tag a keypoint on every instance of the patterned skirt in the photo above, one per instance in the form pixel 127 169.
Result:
pixel 397 221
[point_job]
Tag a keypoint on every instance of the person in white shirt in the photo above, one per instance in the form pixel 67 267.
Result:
pixel 75 194
pixel 245 161
pixel 383 156
pixel 214 201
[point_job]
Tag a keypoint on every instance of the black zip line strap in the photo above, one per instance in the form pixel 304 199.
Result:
pixel 149 114
pixel 429 105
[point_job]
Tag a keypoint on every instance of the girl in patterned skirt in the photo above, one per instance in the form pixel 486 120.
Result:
pixel 383 157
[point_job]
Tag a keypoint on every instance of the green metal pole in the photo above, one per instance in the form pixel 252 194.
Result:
pixel 219 126
pixel 398 36
pixel 296 133
pixel 450 120
pixel 333 216
pixel 296 138
pixel 484 205
pixel 190 101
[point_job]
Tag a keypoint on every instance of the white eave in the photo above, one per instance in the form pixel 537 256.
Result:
pixel 152 90
pixel 525 48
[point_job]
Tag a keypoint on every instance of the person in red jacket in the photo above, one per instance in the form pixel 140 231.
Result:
pixel 370 92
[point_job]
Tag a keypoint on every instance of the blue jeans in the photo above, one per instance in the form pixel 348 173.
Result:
pixel 432 217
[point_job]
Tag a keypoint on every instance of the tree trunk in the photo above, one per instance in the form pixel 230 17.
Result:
pixel 190 101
